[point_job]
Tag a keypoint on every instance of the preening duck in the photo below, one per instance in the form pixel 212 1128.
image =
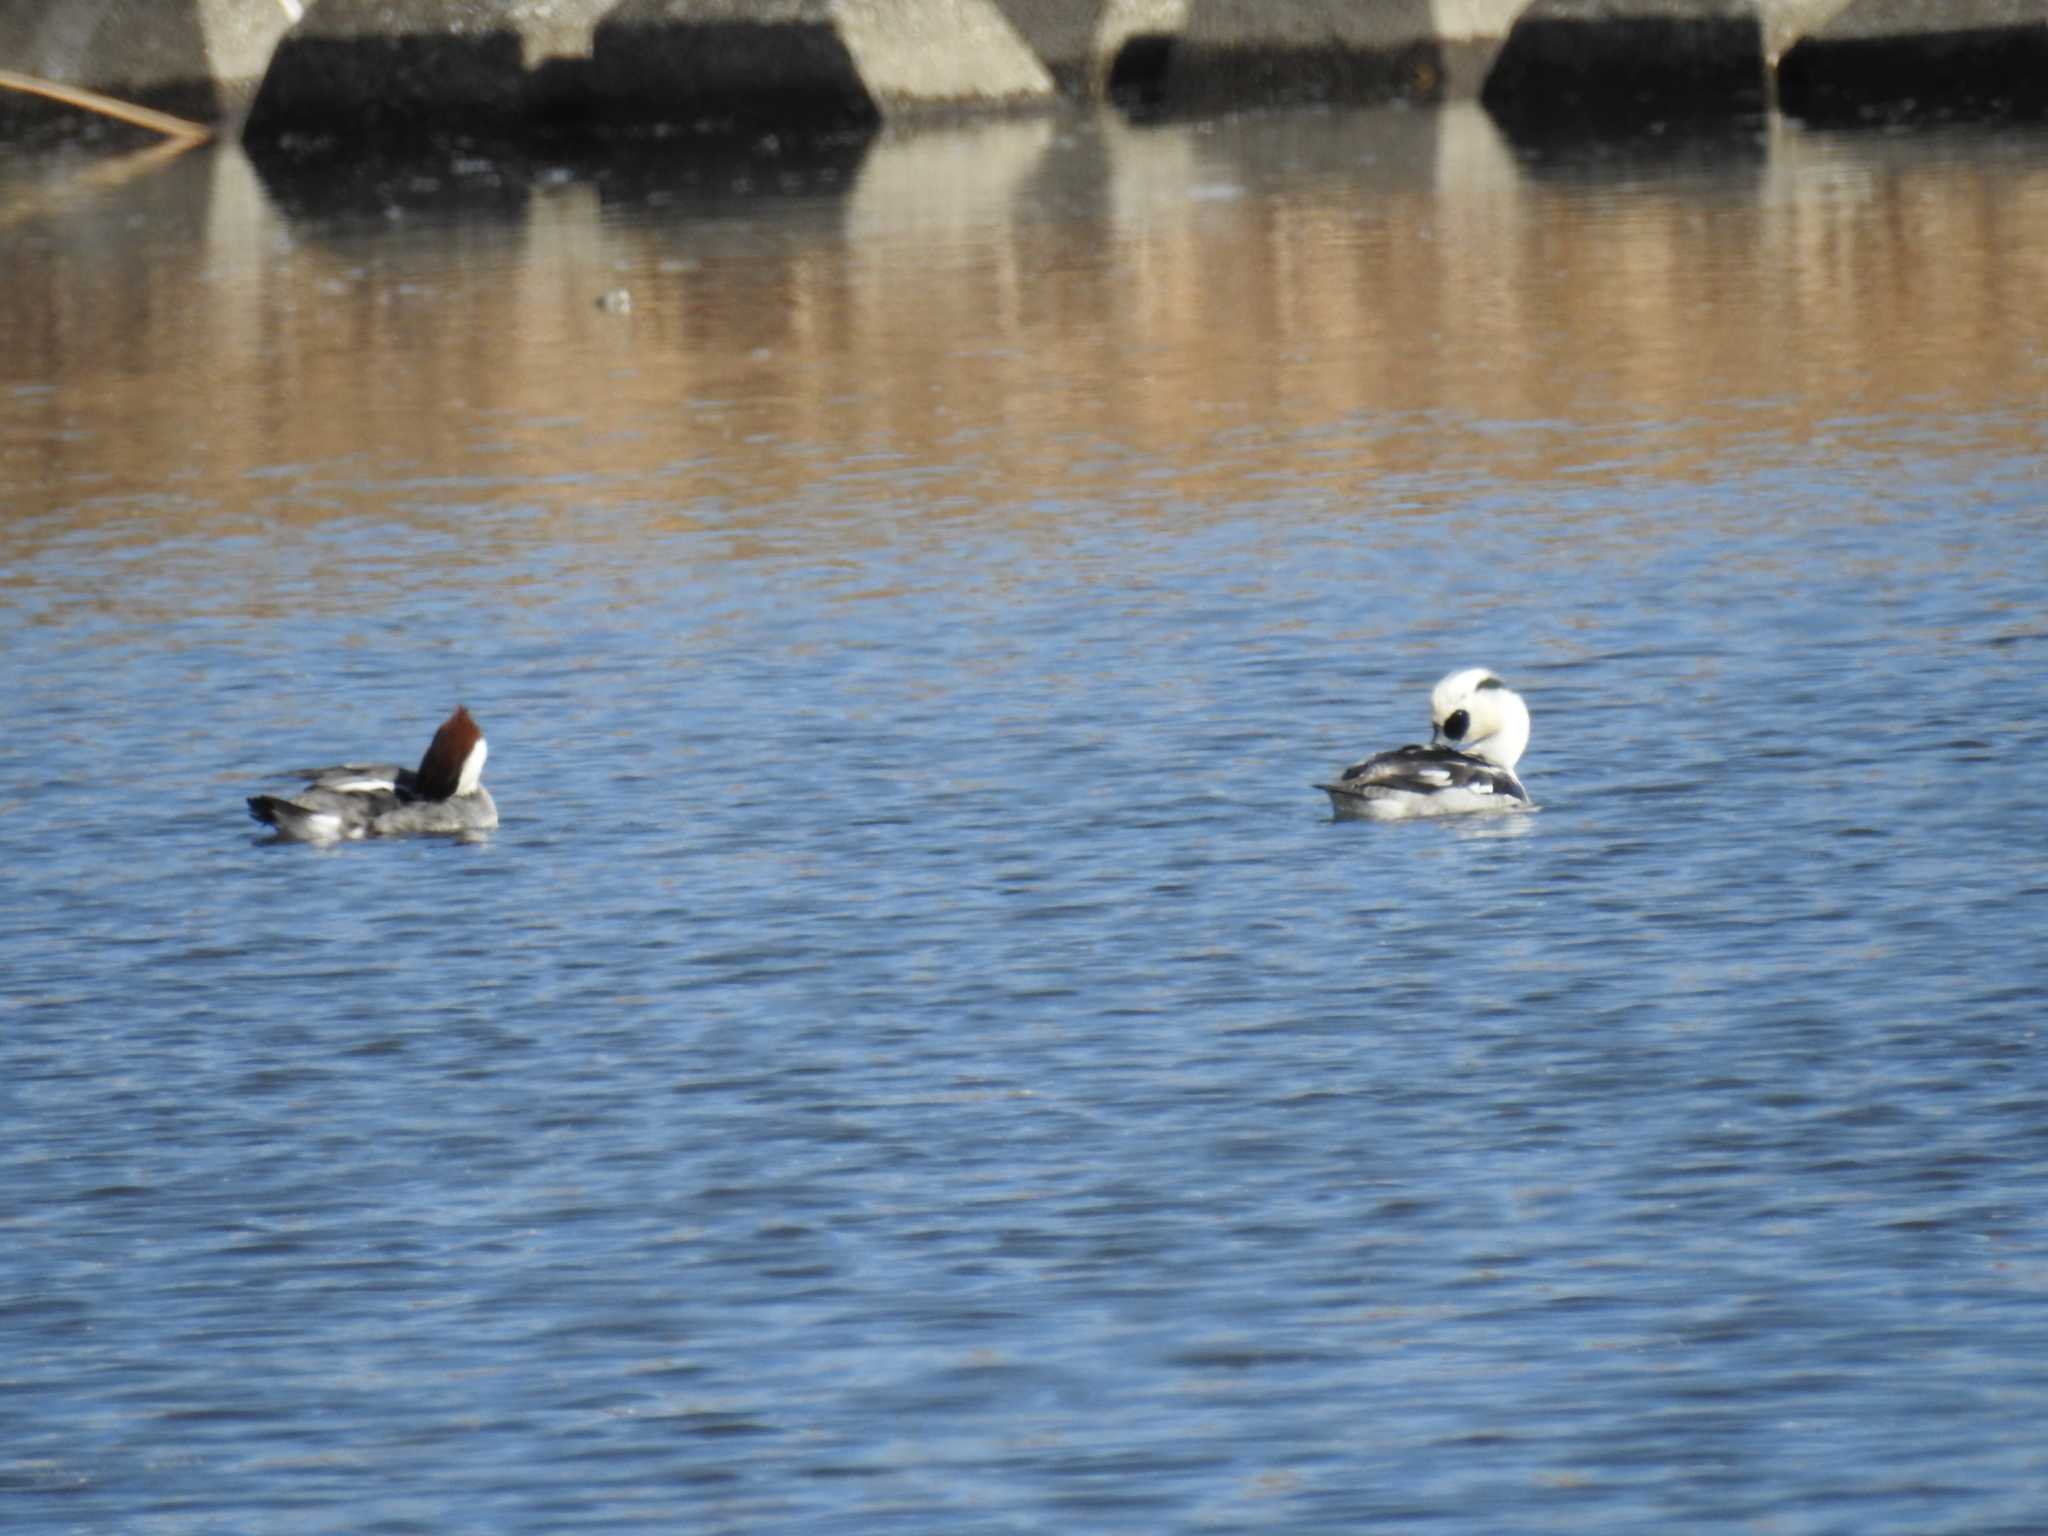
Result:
pixel 1481 728
pixel 445 794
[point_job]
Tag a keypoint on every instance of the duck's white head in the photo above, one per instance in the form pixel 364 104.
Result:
pixel 454 764
pixel 1476 712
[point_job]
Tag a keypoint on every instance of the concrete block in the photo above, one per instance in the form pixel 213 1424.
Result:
pixel 1880 61
pixel 1200 54
pixel 392 68
pixel 1598 64
pixel 918 54
pixel 1233 53
pixel 1063 35
pixel 809 64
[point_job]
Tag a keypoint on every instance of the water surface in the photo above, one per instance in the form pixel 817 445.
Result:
pixel 917 1054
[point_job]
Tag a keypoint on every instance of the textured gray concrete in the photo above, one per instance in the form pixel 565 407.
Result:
pixel 916 55
pixel 1877 61
pixel 1064 35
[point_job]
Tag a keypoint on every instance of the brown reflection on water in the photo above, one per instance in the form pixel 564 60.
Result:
pixel 993 316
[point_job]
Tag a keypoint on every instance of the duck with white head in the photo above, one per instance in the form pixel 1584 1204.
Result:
pixel 1481 729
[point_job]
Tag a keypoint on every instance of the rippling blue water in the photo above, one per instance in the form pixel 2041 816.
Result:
pixel 919 1056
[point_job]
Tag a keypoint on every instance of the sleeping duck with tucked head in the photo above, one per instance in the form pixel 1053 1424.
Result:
pixel 1468 767
pixel 445 794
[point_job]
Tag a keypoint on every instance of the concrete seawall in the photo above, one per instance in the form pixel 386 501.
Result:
pixel 395 68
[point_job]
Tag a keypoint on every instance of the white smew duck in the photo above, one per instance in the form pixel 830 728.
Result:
pixel 1481 729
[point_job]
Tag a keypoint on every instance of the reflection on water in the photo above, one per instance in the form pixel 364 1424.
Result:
pixel 1286 287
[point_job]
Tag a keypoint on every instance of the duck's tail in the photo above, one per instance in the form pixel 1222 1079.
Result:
pixel 294 821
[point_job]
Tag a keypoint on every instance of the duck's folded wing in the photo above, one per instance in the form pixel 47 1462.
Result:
pixel 1427 770
pixel 359 778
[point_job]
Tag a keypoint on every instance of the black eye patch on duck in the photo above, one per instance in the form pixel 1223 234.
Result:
pixel 1455 726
